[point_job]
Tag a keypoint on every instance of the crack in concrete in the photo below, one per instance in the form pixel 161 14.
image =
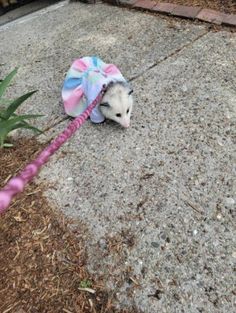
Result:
pixel 169 56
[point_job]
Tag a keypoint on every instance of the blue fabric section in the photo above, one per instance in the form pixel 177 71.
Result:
pixel 95 61
pixel 71 83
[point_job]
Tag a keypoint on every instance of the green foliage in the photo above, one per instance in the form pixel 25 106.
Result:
pixel 85 283
pixel 9 120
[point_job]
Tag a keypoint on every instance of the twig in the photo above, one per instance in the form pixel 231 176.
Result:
pixel 18 252
pixel 134 281
pixel 9 309
pixel 192 204
pixel 6 180
pixel 88 290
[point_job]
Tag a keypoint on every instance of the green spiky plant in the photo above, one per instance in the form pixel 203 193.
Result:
pixel 9 120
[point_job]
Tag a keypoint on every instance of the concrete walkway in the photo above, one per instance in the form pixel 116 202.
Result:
pixel 14 13
pixel 158 200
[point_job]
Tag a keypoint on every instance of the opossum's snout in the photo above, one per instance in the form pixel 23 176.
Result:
pixel 125 123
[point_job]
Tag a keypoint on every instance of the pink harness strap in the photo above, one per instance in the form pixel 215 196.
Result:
pixel 17 183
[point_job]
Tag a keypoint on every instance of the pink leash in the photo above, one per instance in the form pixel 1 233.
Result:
pixel 18 183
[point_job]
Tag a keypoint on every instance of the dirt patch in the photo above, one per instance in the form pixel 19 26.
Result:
pixel 43 259
pixel 226 6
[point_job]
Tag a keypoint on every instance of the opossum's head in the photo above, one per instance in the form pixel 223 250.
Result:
pixel 117 103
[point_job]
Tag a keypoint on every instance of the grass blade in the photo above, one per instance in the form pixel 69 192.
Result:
pixel 6 127
pixel 7 124
pixel 6 81
pixel 16 103
pixel 26 126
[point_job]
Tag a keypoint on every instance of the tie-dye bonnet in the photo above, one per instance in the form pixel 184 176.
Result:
pixel 84 81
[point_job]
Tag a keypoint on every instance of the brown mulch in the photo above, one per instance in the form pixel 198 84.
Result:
pixel 43 261
pixel 226 6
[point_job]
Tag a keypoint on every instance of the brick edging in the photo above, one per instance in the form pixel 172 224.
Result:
pixel 190 12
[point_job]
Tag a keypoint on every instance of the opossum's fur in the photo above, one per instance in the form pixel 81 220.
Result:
pixel 117 103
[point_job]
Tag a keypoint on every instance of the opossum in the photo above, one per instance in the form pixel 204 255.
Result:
pixel 117 103
pixel 86 79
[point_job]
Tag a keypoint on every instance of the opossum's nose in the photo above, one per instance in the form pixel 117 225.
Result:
pixel 126 124
pixel 125 121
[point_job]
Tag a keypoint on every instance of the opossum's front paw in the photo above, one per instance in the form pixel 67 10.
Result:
pixel 99 123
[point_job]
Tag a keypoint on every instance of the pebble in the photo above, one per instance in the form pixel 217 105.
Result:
pixel 184 88
pixel 220 142
pixel 155 244
pixel 102 243
pixel 228 114
pixel 229 201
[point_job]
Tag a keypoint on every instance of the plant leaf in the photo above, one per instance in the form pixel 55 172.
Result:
pixel 13 114
pixel 1 141
pixel 14 123
pixel 7 124
pixel 26 126
pixel 6 81
pixel 26 116
pixel 3 135
pixel 16 103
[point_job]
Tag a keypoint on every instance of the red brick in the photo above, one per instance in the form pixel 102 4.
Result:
pixel 186 11
pixel 145 4
pixel 211 16
pixel 164 7
pixel 229 19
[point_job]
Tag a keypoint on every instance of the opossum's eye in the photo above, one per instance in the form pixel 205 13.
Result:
pixel 105 104
pixel 118 115
pixel 127 111
pixel 131 91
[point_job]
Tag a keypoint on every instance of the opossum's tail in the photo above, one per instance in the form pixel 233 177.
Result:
pixel 17 183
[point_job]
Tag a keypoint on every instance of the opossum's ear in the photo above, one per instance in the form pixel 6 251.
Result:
pixel 131 91
pixel 105 104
